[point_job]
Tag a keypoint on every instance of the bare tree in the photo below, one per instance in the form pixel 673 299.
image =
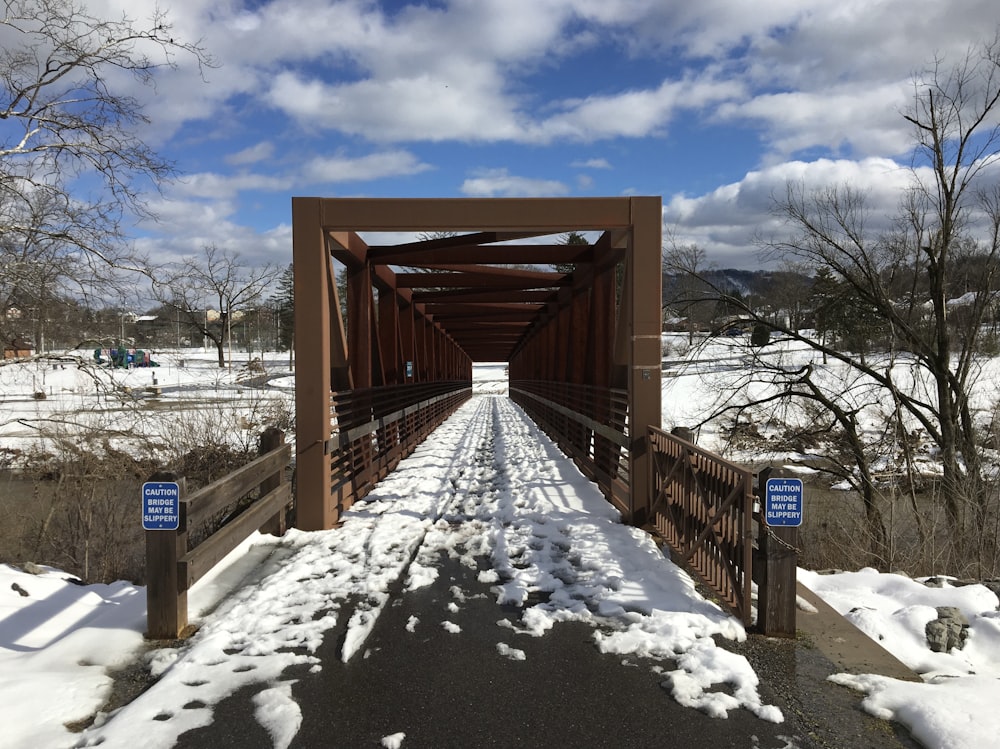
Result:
pixel 906 280
pixel 688 291
pixel 68 120
pixel 220 278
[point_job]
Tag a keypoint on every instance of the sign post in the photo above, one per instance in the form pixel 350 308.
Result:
pixel 164 518
pixel 776 559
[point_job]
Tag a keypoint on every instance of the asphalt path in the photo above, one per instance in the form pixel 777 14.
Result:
pixel 448 690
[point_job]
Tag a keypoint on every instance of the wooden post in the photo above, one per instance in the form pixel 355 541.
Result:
pixel 166 593
pixel 271 439
pixel 775 565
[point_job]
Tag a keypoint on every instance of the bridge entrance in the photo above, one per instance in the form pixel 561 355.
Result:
pixel 490 280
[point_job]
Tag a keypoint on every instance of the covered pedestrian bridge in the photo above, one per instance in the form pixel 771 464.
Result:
pixel 388 327
pixel 377 370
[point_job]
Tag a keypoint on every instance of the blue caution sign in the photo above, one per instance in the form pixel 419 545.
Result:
pixel 161 506
pixel 783 502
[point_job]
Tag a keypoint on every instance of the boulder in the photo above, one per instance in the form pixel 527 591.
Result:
pixel 950 630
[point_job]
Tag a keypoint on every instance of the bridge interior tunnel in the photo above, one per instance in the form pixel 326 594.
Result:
pixel 434 285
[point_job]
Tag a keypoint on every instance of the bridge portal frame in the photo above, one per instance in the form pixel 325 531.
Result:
pixel 595 327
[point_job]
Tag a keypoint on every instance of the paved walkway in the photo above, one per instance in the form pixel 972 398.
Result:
pixel 446 692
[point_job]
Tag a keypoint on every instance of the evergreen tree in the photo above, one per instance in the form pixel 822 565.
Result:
pixel 575 238
pixel 284 303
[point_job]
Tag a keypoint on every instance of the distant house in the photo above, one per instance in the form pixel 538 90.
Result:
pixel 19 348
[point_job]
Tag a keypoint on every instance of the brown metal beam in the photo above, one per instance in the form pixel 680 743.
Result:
pixel 527 296
pixel 310 261
pixel 486 280
pixel 546 215
pixel 523 254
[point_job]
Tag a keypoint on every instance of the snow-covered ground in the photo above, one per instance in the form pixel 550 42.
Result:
pixel 186 394
pixel 542 527
pixel 702 378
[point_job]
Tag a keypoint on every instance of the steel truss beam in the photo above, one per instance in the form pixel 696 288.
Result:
pixel 482 290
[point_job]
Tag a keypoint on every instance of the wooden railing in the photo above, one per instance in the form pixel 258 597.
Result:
pixel 173 564
pixel 374 428
pixel 590 424
pixel 703 507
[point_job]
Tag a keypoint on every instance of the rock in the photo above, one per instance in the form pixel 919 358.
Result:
pixel 950 630
pixel 33 569
pixel 993 585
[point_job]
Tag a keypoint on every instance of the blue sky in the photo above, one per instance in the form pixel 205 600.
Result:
pixel 713 105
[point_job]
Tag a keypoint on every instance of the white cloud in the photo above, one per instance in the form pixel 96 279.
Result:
pixel 492 183
pixel 824 77
pixel 725 221
pixel 225 186
pixel 420 108
pixel 252 154
pixel 455 70
pixel 864 122
pixel 333 169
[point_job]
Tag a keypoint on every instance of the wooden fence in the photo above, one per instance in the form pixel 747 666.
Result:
pixel 703 507
pixel 173 565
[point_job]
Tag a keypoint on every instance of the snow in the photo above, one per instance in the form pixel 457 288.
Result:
pixel 955 706
pixel 393 741
pixel 542 527
pixel 187 393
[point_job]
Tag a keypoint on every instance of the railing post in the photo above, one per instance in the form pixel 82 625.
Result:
pixel 166 593
pixel 271 439
pixel 775 563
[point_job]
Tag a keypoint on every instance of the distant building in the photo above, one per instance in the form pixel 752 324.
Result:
pixel 19 348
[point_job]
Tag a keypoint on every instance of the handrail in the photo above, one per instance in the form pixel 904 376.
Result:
pixel 372 429
pixel 351 434
pixel 703 507
pixel 591 425
pixel 172 566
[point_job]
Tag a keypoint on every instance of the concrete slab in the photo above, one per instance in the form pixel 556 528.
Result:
pixel 847 647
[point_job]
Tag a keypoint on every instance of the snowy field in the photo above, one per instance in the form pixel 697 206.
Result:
pixel 186 394
pixel 701 379
pixel 525 509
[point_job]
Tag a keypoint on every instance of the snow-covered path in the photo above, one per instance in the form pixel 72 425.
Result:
pixel 490 490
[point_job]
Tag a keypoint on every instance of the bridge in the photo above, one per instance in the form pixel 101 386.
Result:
pixel 582 346
pixel 386 337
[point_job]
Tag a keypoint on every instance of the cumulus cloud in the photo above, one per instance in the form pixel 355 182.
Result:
pixel 305 77
pixel 493 183
pixel 843 119
pixel 334 169
pixel 252 154
pixel 422 107
pixel 456 70
pixel 225 186
pixel 726 221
